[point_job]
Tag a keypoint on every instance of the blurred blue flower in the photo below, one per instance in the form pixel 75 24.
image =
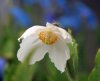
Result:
pixel 84 12
pixel 61 3
pixel 29 2
pixel 71 15
pixel 46 4
pixel 2 67
pixel 83 9
pixel 20 16
pixel 48 17
pixel 92 22
pixel 72 21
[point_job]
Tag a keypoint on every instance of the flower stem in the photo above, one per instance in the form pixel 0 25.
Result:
pixel 68 75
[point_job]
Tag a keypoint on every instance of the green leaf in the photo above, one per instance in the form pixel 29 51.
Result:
pixel 8 49
pixel 23 73
pixel 95 74
pixel 83 76
pixel 97 59
pixel 73 62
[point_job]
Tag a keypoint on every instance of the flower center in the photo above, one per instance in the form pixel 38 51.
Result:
pixel 48 37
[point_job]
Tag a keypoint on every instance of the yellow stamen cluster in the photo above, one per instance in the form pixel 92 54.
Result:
pixel 48 37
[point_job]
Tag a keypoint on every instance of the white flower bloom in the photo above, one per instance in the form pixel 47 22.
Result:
pixel 51 39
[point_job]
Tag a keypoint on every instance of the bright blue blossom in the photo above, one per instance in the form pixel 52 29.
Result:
pixel 61 3
pixel 48 17
pixel 72 21
pixel 84 12
pixel 29 2
pixel 20 16
pixel 2 67
pixel 72 13
pixel 92 22
pixel 46 4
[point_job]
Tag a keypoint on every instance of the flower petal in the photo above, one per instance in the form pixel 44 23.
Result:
pixel 53 27
pixel 65 35
pixel 59 54
pixel 39 53
pixel 49 24
pixel 61 31
pixel 26 47
pixel 30 31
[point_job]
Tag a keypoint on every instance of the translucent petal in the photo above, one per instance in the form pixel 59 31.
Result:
pixel 26 46
pixel 49 24
pixel 59 54
pixel 31 31
pixel 39 53
pixel 65 35
pixel 52 27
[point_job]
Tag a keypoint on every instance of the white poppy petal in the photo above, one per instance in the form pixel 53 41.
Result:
pixel 30 31
pixel 61 31
pixel 65 35
pixel 59 54
pixel 39 53
pixel 26 46
pixel 51 26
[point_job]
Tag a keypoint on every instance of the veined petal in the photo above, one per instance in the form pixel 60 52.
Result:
pixel 31 31
pixel 49 24
pixel 53 27
pixel 59 54
pixel 39 53
pixel 65 35
pixel 26 46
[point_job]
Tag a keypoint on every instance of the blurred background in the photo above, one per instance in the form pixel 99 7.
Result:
pixel 81 16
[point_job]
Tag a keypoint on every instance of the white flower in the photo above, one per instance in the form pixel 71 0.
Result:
pixel 51 39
